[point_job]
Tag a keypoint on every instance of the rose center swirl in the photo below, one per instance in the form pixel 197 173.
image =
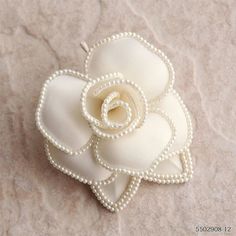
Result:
pixel 113 106
pixel 111 102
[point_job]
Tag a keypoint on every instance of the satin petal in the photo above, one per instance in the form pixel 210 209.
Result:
pixel 137 150
pixel 136 59
pixel 82 167
pixel 59 116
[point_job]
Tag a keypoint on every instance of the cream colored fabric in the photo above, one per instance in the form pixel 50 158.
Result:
pixel 171 105
pixel 61 112
pixel 170 166
pixel 140 148
pixel 134 61
pixel 114 190
pixel 83 165
pixel 113 101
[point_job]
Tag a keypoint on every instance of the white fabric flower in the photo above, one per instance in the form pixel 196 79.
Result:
pixel 119 123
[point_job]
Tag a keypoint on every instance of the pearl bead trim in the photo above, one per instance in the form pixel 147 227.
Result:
pixel 135 172
pixel 96 124
pixel 132 188
pixel 74 175
pixel 38 116
pixel 124 198
pixel 149 46
pixel 108 105
pixel 154 106
pixel 108 84
pixel 183 177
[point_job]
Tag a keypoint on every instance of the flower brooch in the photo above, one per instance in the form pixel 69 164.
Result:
pixel 119 123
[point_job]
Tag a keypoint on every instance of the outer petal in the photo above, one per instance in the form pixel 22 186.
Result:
pixel 173 105
pixel 82 167
pixel 136 152
pixel 59 116
pixel 174 169
pixel 136 59
pixel 117 194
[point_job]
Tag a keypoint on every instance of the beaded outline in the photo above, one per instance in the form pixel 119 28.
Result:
pixel 135 182
pixel 78 177
pixel 95 124
pixel 184 176
pixel 164 155
pixel 38 114
pixel 169 86
pixel 147 45
pixel 130 171
pixel 123 200
pixel 189 139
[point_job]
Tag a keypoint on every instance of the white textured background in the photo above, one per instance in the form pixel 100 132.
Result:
pixel 39 37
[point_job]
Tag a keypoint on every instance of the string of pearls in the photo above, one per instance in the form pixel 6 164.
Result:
pixel 132 172
pixel 183 177
pixel 150 175
pixel 109 104
pixel 183 152
pixel 154 106
pixel 74 175
pixel 38 114
pixel 145 43
pixel 99 127
pixel 124 199
pixel 133 186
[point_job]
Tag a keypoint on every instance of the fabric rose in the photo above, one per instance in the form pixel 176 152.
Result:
pixel 118 123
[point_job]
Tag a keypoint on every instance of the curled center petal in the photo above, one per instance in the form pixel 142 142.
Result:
pixel 113 106
pixel 110 103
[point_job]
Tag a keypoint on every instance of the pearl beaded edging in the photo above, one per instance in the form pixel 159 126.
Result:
pixel 154 105
pixel 183 177
pixel 133 172
pixel 186 158
pixel 123 200
pixel 135 182
pixel 38 114
pixel 78 177
pixel 147 45
pixel 96 124
pixel 108 105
